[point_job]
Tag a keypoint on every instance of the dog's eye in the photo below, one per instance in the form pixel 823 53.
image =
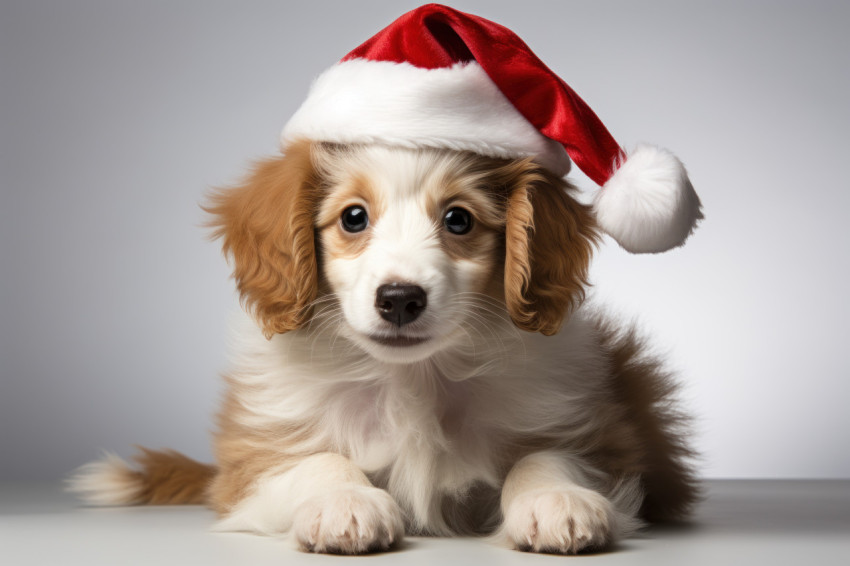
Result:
pixel 458 221
pixel 354 219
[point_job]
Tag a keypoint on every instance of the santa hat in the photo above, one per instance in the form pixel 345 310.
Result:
pixel 441 78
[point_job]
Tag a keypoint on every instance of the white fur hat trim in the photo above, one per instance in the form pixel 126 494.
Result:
pixel 458 107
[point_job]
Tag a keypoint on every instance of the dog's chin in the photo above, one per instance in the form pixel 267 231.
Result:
pixel 396 348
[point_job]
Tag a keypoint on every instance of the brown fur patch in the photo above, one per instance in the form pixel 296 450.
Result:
pixel 357 190
pixel 478 245
pixel 342 244
pixel 549 239
pixel 642 432
pixel 466 188
pixel 469 189
pixel 266 225
pixel 169 478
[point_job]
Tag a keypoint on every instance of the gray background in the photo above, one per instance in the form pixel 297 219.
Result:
pixel 116 117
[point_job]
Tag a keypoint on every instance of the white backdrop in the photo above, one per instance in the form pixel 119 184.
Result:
pixel 117 116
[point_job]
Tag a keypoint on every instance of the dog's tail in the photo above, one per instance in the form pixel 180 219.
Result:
pixel 159 478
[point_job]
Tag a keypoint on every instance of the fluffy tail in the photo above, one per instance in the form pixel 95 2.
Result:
pixel 160 478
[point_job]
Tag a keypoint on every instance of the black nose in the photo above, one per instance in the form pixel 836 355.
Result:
pixel 399 303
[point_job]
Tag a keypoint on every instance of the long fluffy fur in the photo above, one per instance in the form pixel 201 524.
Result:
pixel 159 478
pixel 529 406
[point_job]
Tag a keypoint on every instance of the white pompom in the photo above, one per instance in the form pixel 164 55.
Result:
pixel 648 205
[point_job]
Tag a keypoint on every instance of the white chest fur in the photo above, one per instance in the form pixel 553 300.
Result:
pixel 423 431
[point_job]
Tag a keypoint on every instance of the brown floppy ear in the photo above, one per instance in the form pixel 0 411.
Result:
pixel 266 226
pixel 549 239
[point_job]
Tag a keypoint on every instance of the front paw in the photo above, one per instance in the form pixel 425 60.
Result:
pixel 352 520
pixel 564 521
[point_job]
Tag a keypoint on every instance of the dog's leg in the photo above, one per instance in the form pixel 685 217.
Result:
pixel 549 506
pixel 327 503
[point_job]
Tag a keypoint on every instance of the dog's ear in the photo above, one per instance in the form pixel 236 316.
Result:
pixel 266 227
pixel 549 240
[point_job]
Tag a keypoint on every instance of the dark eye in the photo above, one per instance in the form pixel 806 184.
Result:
pixel 458 221
pixel 354 219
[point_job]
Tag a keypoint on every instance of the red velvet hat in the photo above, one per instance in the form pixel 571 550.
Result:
pixel 441 78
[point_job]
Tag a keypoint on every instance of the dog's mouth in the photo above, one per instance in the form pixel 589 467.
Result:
pixel 398 341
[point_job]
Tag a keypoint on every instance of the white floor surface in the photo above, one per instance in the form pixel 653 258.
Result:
pixel 739 522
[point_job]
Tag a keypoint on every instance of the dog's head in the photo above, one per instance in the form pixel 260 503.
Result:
pixel 405 248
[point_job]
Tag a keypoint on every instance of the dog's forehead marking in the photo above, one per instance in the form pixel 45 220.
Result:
pixel 402 175
pixel 405 226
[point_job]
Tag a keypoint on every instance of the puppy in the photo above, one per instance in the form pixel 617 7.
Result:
pixel 416 359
